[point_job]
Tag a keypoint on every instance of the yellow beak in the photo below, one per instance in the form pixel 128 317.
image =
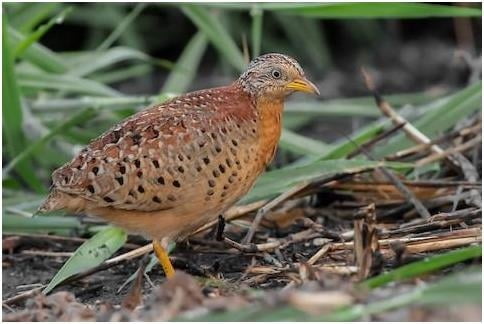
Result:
pixel 303 85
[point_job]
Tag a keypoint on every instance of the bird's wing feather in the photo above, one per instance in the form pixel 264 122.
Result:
pixel 148 160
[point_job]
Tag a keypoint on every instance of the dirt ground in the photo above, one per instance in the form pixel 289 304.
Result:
pixel 218 270
pixel 23 271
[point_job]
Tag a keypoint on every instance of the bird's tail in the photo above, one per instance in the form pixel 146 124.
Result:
pixel 55 201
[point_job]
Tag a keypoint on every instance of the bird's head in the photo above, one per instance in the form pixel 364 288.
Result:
pixel 275 76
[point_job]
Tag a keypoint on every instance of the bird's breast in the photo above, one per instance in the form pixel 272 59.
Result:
pixel 270 115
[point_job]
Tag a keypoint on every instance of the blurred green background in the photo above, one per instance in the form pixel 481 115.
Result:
pixel 71 71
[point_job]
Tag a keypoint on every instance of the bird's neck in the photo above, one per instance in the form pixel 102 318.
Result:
pixel 268 110
pixel 270 121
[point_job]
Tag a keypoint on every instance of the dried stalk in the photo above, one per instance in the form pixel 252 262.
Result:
pixel 366 146
pixel 270 205
pixel 48 253
pixel 411 131
pixel 321 253
pixel 425 146
pixel 447 153
pixel 233 213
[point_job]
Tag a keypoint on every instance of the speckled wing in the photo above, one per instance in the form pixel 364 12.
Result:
pixel 159 157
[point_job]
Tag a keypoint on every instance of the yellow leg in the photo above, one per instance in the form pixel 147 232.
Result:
pixel 163 258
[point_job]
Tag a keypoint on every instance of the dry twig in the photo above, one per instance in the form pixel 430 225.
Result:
pixel 270 205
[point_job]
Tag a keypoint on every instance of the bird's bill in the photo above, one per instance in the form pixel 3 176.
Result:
pixel 303 85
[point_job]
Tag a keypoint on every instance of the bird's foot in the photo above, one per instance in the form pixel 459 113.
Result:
pixel 162 256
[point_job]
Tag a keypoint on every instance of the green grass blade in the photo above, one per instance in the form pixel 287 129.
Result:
pixel 216 33
pixel 12 115
pixel 55 105
pixel 358 10
pixel 91 62
pixel 359 106
pixel 185 70
pixel 278 181
pixel 458 288
pixel 331 108
pixel 40 31
pixel 106 17
pixel 463 287
pixel 77 118
pixel 121 27
pixel 349 106
pixel 56 82
pixel 295 121
pixel 346 146
pixel 122 73
pixel 90 254
pixel 244 6
pixel 380 10
pixel 37 54
pixel 303 145
pixel 256 29
pixel 41 224
pixel 32 14
pixel 13 197
pixel 422 267
pixel 305 33
pixel 444 115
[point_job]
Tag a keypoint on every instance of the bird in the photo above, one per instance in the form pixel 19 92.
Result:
pixel 174 166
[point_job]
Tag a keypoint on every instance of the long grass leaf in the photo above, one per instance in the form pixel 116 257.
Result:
pixel 41 224
pixel 443 115
pixel 304 33
pixel 295 121
pixel 381 10
pixel 91 62
pixel 37 54
pixel 55 105
pixel 256 29
pixel 64 82
pixel 186 67
pixel 121 27
pixel 299 144
pixel 32 14
pixel 278 181
pixel 77 118
pixel 358 10
pixel 347 145
pixel 40 31
pixel 331 108
pixel 90 254
pixel 418 268
pixel 457 288
pixel 12 115
pixel 122 73
pixel 358 106
pixel 104 18
pixel 216 33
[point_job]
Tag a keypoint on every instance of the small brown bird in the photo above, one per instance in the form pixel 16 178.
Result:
pixel 172 167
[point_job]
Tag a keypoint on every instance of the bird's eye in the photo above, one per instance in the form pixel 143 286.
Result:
pixel 276 74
